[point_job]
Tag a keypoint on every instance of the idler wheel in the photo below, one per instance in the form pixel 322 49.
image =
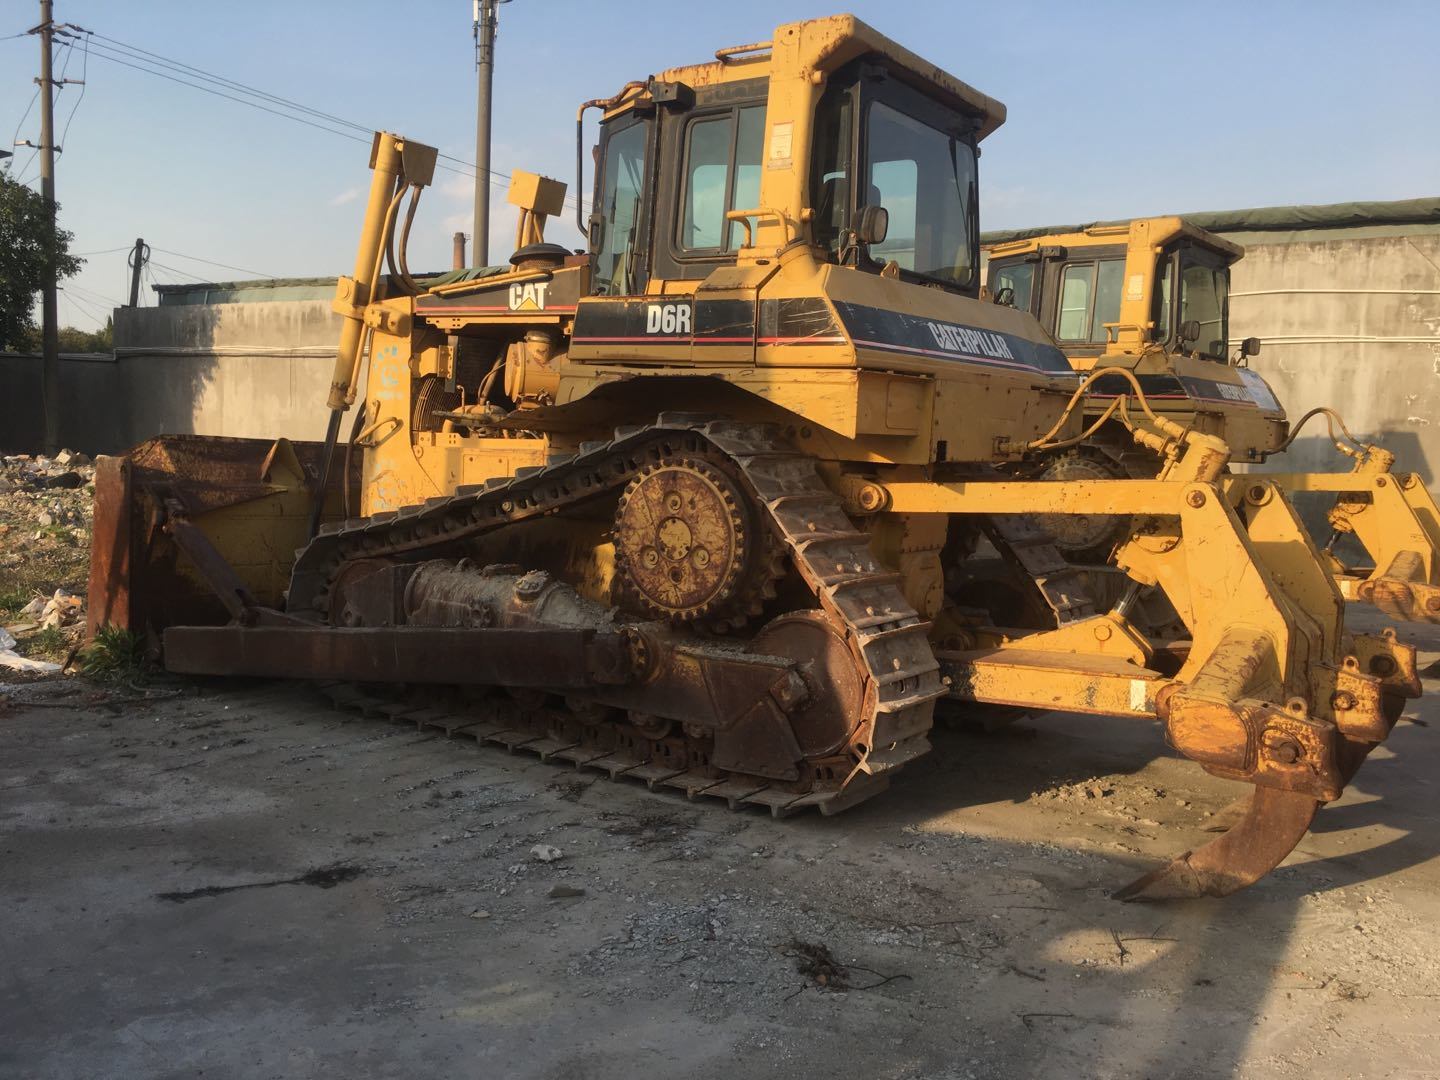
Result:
pixel 687 545
pixel 1084 537
pixel 824 723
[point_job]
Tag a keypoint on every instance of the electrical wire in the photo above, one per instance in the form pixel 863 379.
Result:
pixel 144 60
pixel 15 139
pixel 20 176
pixel 107 251
pixel 182 273
pixel 84 70
pixel 93 294
pixel 86 307
pixel 145 55
pixel 99 52
pixel 212 262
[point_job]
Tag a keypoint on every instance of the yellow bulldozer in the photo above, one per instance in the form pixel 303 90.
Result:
pixel 682 507
pixel 1152 296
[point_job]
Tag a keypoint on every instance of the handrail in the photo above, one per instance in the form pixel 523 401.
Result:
pixel 759 213
pixel 726 56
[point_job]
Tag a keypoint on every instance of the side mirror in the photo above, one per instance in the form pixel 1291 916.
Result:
pixel 1190 331
pixel 872 223
pixel 1005 296
pixel 1250 347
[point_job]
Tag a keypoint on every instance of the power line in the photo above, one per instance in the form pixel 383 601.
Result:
pixel 99 52
pixel 20 176
pixel 84 69
pixel 92 293
pixel 15 139
pixel 179 66
pixel 212 262
pixel 107 251
pixel 182 273
pixel 144 60
pixel 86 307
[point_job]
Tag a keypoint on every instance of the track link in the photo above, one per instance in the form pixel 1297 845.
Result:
pixel 551 734
pixel 862 598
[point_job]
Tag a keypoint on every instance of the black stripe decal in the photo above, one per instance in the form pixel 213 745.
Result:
pixel 914 335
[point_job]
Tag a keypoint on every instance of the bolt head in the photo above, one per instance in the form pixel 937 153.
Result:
pixel 1196 499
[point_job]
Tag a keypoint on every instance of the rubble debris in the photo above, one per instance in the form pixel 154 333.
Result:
pixel 815 961
pixel 546 853
pixel 564 892
pixel 12 660
pixel 45 515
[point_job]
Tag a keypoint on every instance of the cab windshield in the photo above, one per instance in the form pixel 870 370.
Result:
pixel 925 179
pixel 903 151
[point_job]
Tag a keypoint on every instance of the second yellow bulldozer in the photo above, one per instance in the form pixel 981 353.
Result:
pixel 682 507
pixel 1152 296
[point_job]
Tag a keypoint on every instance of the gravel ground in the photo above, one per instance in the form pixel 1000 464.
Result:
pixel 234 880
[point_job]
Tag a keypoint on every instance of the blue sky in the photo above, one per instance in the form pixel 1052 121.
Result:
pixel 1115 109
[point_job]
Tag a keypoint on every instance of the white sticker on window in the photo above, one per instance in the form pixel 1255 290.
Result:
pixel 1135 288
pixel 781 136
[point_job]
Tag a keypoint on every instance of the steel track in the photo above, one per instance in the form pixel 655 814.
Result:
pixel 861 598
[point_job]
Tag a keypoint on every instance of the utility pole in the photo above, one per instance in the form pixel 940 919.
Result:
pixel 138 258
pixel 50 327
pixel 486 17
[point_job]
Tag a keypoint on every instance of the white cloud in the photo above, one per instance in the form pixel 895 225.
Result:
pixel 456 187
pixel 349 195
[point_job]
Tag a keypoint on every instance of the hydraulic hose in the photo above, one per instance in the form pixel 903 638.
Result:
pixel 1332 418
pixel 1167 426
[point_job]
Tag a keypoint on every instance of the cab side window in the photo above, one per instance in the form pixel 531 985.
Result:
pixel 1077 284
pixel 1089 298
pixel 721 173
pixel 622 187
pixel 1019 278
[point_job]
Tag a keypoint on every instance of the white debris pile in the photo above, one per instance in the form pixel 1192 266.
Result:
pixel 13 661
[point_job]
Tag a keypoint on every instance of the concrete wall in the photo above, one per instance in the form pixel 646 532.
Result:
pixel 1349 319
pixel 256 370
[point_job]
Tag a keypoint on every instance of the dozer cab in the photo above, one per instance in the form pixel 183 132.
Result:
pixel 1152 296
pixel 682 508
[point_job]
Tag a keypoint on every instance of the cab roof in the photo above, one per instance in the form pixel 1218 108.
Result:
pixel 823 46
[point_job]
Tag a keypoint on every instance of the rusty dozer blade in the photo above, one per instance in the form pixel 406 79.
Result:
pixel 247 500
pixel 1271 826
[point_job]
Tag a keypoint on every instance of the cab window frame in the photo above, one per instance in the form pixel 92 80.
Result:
pixel 1165 311
pixel 732 233
pixel 1032 262
pixel 1092 328
pixel 877 84
pixel 639 270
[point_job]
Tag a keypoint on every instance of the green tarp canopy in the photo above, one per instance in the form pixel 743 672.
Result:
pixel 1268 219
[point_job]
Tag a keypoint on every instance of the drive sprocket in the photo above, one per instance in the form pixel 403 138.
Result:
pixel 689 547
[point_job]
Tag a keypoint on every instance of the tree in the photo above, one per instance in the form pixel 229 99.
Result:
pixel 72 339
pixel 22 258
